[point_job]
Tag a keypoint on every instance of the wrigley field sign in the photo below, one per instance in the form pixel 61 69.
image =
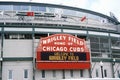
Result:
pixel 61 49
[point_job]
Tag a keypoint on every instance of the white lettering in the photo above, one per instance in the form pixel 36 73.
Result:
pixel 53 48
pixel 53 39
pixel 76 49
pixel 75 40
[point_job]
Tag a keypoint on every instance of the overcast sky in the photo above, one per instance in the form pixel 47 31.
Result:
pixel 102 6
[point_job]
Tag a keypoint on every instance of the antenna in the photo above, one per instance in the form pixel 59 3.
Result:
pixel 113 16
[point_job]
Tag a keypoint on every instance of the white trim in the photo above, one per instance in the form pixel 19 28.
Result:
pixel 47 30
pixel 98 33
pixel 18 29
pixel 114 35
pixel 74 31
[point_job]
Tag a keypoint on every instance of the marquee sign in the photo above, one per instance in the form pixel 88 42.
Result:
pixel 62 51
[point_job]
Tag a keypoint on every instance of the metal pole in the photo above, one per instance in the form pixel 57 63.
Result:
pixel 2 38
pixel 33 38
pixel 110 49
pixel 63 73
pixel 113 64
pixel 88 40
pixel 102 71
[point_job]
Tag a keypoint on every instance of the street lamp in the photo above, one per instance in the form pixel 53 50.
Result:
pixel 101 66
pixel 113 63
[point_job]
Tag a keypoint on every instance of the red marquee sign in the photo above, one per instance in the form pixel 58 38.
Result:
pixel 62 51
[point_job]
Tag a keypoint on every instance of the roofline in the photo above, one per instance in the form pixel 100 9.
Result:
pixel 61 6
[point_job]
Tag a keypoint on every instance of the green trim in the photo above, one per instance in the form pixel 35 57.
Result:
pixel 59 27
pixel 104 60
pixel 20 32
pixel 31 59
pixel 91 35
pixel 18 59
pixel 100 59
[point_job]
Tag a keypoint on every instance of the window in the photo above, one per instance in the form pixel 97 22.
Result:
pixel 82 36
pixel 16 7
pixel 69 12
pixel 105 73
pixel 81 73
pixel 20 7
pixel 42 9
pixel 38 36
pixel 25 7
pixel 99 46
pixel 11 36
pixel 54 73
pixel 10 74
pixel 5 7
pixel 97 75
pixel 43 73
pixel 71 73
pixel 27 36
pixel 18 36
pixel 38 8
pixel 50 9
pixel 25 73
pixel 34 8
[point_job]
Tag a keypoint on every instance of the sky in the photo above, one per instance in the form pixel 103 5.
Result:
pixel 101 6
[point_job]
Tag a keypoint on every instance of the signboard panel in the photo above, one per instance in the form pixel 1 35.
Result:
pixel 63 56
pixel 59 49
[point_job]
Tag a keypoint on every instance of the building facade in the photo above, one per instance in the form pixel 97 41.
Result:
pixel 23 24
